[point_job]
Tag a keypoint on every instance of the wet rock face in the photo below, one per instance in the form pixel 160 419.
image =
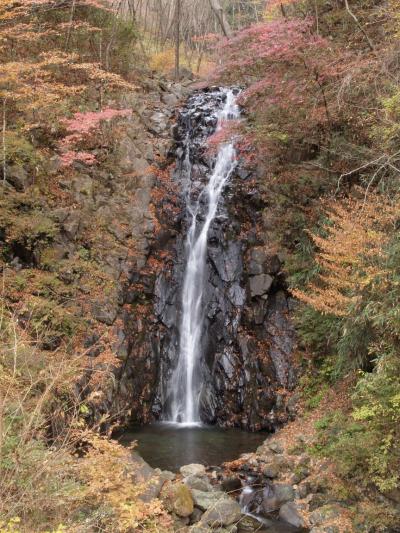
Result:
pixel 248 338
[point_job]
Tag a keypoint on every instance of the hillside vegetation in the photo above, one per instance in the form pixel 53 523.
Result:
pixel 322 96
pixel 69 72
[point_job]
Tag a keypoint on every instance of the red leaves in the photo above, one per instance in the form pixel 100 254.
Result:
pixel 69 157
pixel 80 128
pixel 83 123
pixel 286 67
pixel 279 40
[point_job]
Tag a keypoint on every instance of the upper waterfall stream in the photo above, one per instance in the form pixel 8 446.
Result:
pixel 185 385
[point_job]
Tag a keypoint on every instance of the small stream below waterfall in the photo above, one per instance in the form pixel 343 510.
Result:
pixel 168 446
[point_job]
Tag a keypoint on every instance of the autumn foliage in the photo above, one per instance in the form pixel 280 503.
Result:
pixel 79 130
pixel 350 253
pixel 284 65
pixel 51 60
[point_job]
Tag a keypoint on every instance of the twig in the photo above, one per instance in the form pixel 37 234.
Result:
pixel 354 171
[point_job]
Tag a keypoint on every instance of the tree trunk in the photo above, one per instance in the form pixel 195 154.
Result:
pixel 177 37
pixel 220 14
pixel 4 127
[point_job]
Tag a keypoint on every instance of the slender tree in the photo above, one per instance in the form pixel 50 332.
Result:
pixel 177 37
pixel 220 14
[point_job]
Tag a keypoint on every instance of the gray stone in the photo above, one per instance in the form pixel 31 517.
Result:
pixel 237 295
pixel 159 121
pixel 166 474
pixel 290 513
pixel 198 483
pixel 104 312
pixel 262 262
pixel 83 188
pixel 196 515
pixel 193 470
pixel 303 489
pixel 283 492
pixel 260 285
pixel 224 512
pixel 152 488
pixel 276 495
pixel 276 446
pixel 169 99
pixel 259 309
pixel 271 470
pixel 120 232
pixel 177 498
pixel 17 177
pixel 206 500
pixel 142 471
pixel 71 225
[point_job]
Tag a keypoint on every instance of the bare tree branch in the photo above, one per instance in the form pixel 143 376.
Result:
pixel 350 12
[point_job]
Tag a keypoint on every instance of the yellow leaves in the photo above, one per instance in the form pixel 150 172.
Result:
pixel 95 72
pixel 36 73
pixel 348 255
pixel 109 476
pixel 12 526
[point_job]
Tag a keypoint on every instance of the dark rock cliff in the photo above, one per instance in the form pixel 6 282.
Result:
pixel 248 337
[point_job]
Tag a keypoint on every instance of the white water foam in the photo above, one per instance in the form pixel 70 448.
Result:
pixel 184 386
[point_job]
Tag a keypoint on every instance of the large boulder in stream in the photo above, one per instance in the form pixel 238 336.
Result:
pixel 290 513
pixel 224 512
pixel 195 477
pixel 193 470
pixel 207 500
pixel 276 495
pixel 177 498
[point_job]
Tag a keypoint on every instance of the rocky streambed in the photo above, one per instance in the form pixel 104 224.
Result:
pixel 274 489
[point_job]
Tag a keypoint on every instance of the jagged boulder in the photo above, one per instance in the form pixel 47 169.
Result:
pixel 290 513
pixel 224 512
pixel 276 495
pixel 207 500
pixel 260 284
pixel 177 498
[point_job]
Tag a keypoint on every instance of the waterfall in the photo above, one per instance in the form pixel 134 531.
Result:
pixel 184 387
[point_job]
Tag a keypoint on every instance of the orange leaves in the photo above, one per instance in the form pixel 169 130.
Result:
pixel 37 74
pixel 112 478
pixel 349 256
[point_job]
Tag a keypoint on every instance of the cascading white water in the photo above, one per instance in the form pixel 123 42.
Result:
pixel 185 389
